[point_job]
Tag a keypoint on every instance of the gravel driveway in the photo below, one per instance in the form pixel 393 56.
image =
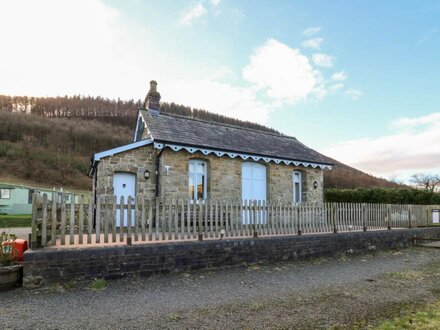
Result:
pixel 315 294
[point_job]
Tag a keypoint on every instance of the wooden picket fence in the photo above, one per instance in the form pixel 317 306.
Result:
pixel 111 222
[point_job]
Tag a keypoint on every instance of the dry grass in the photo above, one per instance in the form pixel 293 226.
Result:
pixel 427 317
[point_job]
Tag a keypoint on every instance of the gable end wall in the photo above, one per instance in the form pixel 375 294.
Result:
pixel 135 161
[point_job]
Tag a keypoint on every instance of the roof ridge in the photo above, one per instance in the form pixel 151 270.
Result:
pixel 229 125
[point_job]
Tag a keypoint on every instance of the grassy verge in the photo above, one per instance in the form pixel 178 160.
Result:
pixel 425 318
pixel 15 220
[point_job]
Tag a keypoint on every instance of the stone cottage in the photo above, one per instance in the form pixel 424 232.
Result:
pixel 181 157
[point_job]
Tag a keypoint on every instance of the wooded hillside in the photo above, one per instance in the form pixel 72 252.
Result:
pixel 113 111
pixel 50 140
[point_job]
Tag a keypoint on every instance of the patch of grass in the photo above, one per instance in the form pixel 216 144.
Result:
pixel 15 220
pixel 56 288
pixel 254 267
pixel 70 285
pixel 174 317
pixel 425 318
pixel 255 307
pixel 343 257
pixel 98 284
pixel 318 261
pixel 406 275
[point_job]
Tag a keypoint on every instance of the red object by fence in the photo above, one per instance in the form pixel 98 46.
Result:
pixel 21 245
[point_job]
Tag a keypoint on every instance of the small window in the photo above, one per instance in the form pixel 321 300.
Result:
pixel 197 179
pixel 5 193
pixel 297 187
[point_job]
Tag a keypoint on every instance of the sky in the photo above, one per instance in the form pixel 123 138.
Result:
pixel 358 81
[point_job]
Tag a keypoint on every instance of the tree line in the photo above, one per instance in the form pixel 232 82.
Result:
pixel 108 110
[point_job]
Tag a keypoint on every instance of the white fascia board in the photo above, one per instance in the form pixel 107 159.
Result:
pixel 137 125
pixel 98 156
pixel 219 153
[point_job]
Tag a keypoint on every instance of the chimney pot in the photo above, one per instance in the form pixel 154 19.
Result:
pixel 152 100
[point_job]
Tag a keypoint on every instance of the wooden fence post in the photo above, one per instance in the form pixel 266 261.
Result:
pixel 364 222
pixel 44 222
pixel 129 219
pixel 63 219
pixel 53 232
pixel 427 216
pixel 34 239
pixel 81 219
pixel 90 219
pixel 389 217
pixel 72 219
pixel 98 220
pixel 121 218
pixel 114 207
pixel 200 220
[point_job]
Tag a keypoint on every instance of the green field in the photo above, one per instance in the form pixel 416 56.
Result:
pixel 15 220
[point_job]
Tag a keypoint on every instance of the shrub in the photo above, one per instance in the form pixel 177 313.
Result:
pixel 7 249
pixel 382 195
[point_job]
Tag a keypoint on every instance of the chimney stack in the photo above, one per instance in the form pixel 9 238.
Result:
pixel 152 99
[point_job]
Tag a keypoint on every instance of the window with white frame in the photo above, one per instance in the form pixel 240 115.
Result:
pixel 5 193
pixel 297 187
pixel 198 179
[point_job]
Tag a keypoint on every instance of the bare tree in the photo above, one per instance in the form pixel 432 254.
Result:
pixel 429 182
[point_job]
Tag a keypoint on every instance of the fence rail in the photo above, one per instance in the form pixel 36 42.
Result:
pixel 110 221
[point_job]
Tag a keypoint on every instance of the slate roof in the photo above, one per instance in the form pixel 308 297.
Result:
pixel 199 133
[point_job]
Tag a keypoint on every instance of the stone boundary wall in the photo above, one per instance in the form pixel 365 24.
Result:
pixel 47 266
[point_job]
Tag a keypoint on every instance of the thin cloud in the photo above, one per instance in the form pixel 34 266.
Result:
pixel 323 60
pixel 405 122
pixel 314 43
pixel 193 13
pixel 339 76
pixel 311 31
pixel 354 93
pixel 336 87
pixel 215 3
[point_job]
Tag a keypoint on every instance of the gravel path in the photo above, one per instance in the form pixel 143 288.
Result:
pixel 281 295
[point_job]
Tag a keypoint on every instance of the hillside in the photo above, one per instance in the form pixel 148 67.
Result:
pixel 346 177
pixel 50 140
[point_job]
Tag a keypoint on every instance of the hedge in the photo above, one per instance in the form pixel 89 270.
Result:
pixel 382 195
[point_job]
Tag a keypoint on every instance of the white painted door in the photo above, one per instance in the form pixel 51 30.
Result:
pixel 253 183
pixel 124 184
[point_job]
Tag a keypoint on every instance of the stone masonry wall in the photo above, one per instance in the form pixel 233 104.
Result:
pixel 135 161
pixel 57 265
pixel 224 175
pixel 280 183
